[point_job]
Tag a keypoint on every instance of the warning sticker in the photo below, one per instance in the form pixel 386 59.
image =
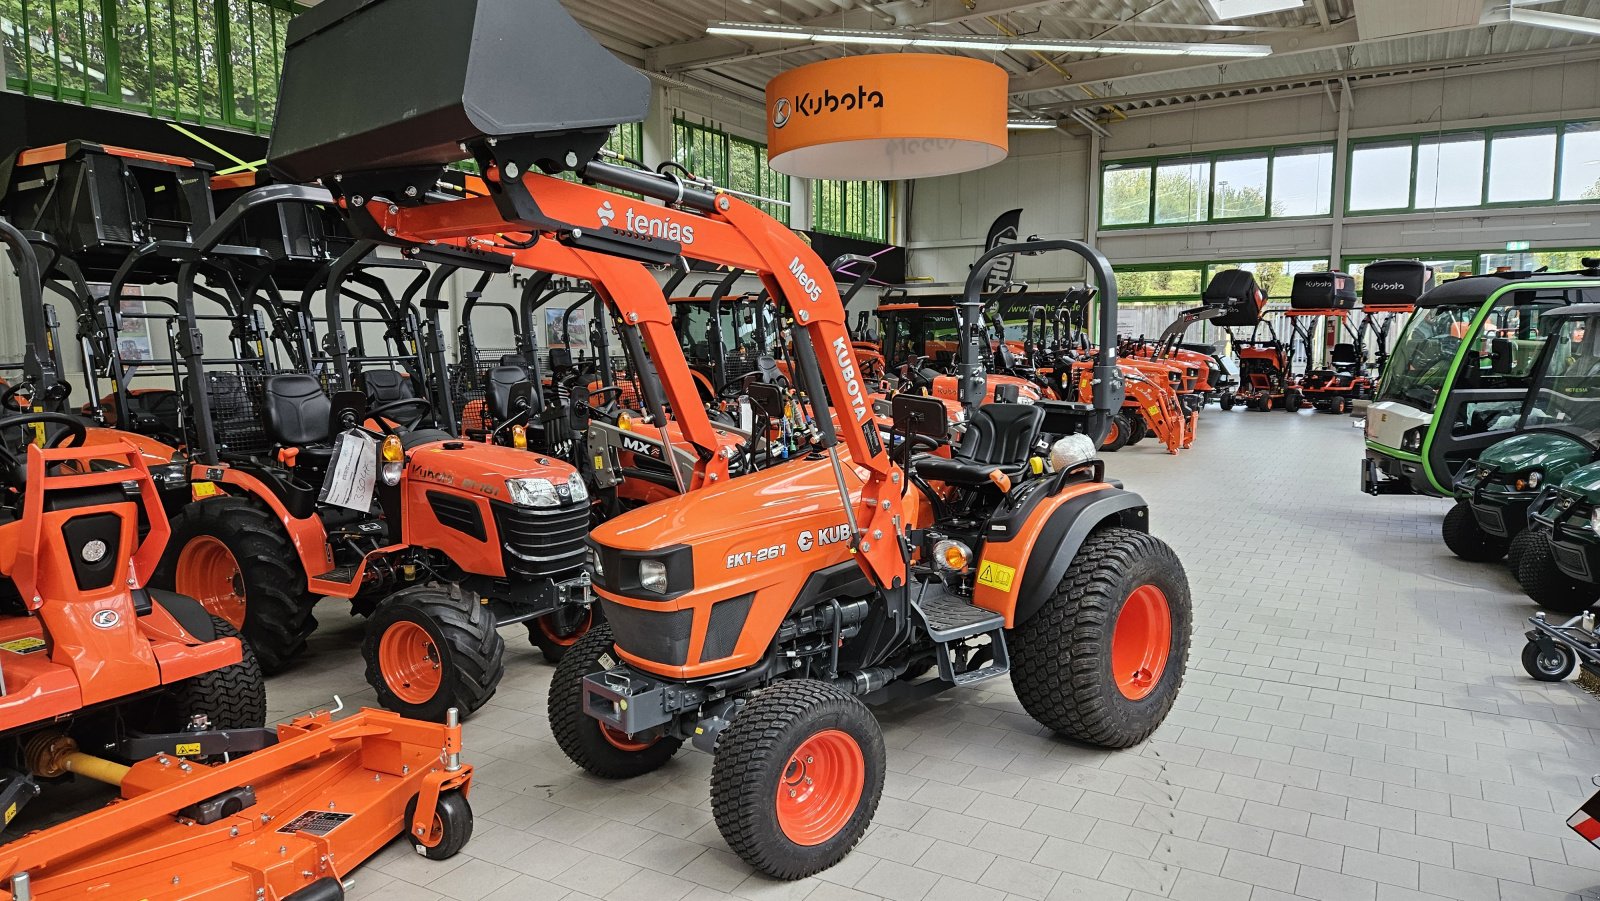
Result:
pixel 315 822
pixel 23 645
pixel 187 749
pixel 996 575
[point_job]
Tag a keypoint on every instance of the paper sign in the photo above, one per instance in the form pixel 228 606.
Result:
pixel 352 473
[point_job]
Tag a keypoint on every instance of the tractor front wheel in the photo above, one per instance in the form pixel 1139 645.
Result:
pixel 1467 540
pixel 1102 660
pixel 1292 401
pixel 1548 586
pixel 556 632
pixel 1227 400
pixel 1116 435
pixel 1526 540
pixel 597 748
pixel 235 558
pixel 1138 428
pixel 431 648
pixel 797 777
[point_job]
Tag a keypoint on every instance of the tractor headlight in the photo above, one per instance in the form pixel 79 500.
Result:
pixel 392 460
pixel 951 555
pixel 1411 441
pixel 533 492
pixel 578 490
pixel 1534 478
pixel 596 564
pixel 653 576
pixel 1070 451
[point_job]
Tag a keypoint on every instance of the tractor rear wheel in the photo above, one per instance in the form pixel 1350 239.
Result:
pixel 431 648
pixel 1548 586
pixel 556 632
pixel 1102 660
pixel 597 748
pixel 1466 540
pixel 234 697
pixel 797 777
pixel 1116 435
pixel 235 558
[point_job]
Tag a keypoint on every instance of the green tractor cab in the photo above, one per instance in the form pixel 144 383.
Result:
pixel 1459 375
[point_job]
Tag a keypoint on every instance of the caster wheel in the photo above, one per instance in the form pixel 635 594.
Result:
pixel 452 826
pixel 1552 667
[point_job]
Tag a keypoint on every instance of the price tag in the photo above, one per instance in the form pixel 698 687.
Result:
pixel 352 473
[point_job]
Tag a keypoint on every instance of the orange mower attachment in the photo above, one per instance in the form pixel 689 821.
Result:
pixel 286 823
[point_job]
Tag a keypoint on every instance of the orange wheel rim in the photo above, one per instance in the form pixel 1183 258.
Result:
pixel 208 572
pixel 569 638
pixel 1111 434
pixel 820 787
pixel 410 663
pixel 621 741
pixel 1141 641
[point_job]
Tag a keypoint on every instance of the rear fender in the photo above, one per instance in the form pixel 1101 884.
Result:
pixel 1016 576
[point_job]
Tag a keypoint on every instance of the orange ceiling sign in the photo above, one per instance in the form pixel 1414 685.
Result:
pixel 887 116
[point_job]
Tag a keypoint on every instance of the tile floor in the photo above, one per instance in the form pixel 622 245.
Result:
pixel 1355 725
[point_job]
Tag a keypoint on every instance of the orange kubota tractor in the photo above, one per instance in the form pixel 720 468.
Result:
pixel 110 680
pixel 753 615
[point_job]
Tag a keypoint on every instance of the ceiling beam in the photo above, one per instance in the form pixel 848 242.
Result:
pixel 1112 68
pixel 1288 86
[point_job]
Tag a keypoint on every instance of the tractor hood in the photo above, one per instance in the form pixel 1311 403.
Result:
pixel 1552 453
pixel 1583 483
pixel 485 468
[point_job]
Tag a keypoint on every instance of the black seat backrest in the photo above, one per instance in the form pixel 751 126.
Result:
pixel 560 358
pixel 497 385
pixel 767 370
pixel 1001 434
pixel 385 386
pixel 297 410
pixel 1343 355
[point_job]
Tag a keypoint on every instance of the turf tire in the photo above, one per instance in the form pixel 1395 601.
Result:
pixel 1548 586
pixel 579 735
pixel 1469 542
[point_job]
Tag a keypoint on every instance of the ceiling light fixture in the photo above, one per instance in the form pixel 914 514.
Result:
pixel 1579 24
pixel 1030 124
pixel 1239 9
pixel 916 40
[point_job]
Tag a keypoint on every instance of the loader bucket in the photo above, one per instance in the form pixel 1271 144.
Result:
pixel 431 76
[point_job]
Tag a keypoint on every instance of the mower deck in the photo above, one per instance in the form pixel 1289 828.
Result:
pixel 327 796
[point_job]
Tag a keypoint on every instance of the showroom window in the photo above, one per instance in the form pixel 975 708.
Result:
pixel 1159 283
pixel 732 162
pixel 1512 165
pixel 1238 185
pixel 851 209
pixel 209 61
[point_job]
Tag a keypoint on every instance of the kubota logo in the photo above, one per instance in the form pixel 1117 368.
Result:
pixel 1387 286
pixel 606 213
pixel 106 619
pixel 808 104
pixel 852 385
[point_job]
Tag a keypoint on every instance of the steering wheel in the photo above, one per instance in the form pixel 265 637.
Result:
pixel 422 405
pixel 8 397
pixel 1432 351
pixel 615 392
pixel 13 466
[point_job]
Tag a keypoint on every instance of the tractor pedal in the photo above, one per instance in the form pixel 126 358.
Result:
pixel 342 574
pixel 949 617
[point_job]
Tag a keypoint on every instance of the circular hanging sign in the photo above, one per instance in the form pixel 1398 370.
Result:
pixel 887 116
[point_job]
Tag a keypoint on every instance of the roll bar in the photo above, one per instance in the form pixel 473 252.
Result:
pixel 39 363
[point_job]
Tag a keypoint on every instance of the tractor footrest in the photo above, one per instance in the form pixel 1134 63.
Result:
pixel 952 618
pixel 344 574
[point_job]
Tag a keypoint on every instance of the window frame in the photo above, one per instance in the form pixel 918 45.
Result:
pixel 846 186
pixel 221 26
pixel 1209 158
pixel 721 168
pixel 1488 132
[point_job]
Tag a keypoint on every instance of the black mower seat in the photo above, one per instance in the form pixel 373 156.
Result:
pixel 385 386
pixel 999 437
pixel 297 416
pixel 1343 358
pixel 497 385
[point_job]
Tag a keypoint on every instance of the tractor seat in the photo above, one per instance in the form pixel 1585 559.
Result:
pixel 385 386
pixel 497 384
pixel 1344 359
pixel 297 416
pixel 1000 437
pixel 767 370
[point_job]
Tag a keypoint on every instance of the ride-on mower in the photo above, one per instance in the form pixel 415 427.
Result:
pixel 1316 298
pixel 752 614
pixel 110 680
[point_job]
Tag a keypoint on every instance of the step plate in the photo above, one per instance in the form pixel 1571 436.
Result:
pixel 951 618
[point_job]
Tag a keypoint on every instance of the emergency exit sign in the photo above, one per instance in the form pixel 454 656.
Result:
pixel 1514 246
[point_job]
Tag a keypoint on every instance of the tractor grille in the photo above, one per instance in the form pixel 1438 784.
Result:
pixel 660 636
pixel 1490 520
pixel 725 626
pixel 542 544
pixel 1571 558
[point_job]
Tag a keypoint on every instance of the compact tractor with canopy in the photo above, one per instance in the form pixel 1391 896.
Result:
pixel 754 614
